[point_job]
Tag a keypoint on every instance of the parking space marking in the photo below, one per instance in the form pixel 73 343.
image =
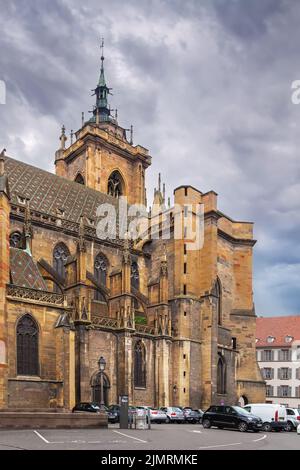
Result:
pixel 220 445
pixel 192 430
pixel 261 438
pixel 131 437
pixel 41 437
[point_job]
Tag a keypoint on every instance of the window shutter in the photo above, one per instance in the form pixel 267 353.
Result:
pixel 298 373
pixel 290 392
pixel 279 374
pixel 272 355
pixel 279 391
pixel 290 373
pixel 272 374
pixel 298 392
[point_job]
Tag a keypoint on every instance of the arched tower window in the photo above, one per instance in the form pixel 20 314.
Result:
pixel 27 346
pixel 135 276
pixel 139 365
pixel 221 375
pixel 16 240
pixel 79 179
pixel 217 292
pixel 60 255
pixel 100 272
pixel 115 186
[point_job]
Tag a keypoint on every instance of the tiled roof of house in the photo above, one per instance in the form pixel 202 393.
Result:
pixel 23 270
pixel 50 194
pixel 279 330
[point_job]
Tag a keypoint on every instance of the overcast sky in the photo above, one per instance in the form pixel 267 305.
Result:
pixel 207 86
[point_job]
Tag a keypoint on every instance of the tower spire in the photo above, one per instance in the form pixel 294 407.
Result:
pixel 101 112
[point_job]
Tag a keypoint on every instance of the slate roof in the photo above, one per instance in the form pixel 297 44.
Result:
pixel 279 328
pixel 23 270
pixel 49 193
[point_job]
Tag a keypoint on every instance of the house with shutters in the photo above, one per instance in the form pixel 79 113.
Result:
pixel 278 355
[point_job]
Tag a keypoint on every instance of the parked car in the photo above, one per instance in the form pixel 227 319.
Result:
pixel 191 415
pixel 174 414
pixel 231 417
pixel 87 407
pixel 293 419
pixel 273 416
pixel 113 414
pixel 156 414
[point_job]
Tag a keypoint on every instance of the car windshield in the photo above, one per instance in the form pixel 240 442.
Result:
pixel 178 410
pixel 240 410
pixel 93 405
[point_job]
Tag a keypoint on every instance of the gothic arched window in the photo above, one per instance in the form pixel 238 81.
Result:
pixel 115 185
pixel 60 256
pixel 135 276
pixel 217 292
pixel 79 179
pixel 16 240
pixel 27 346
pixel 100 272
pixel 221 375
pixel 139 365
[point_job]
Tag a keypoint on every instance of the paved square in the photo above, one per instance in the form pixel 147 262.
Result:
pixel 160 437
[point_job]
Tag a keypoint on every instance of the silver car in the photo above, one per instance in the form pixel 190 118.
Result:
pixel 174 414
pixel 293 418
pixel 156 414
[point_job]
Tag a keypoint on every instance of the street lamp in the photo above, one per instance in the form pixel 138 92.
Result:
pixel 102 365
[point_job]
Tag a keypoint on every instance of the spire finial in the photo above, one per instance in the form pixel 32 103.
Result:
pixel 63 137
pixel 2 155
pixel 159 182
pixel 27 226
pixel 102 51
pixel 164 192
pixel 81 232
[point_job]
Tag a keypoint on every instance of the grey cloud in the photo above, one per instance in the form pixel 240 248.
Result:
pixel 206 85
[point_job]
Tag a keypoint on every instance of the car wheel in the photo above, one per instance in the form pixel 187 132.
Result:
pixel 242 426
pixel 267 427
pixel 206 423
pixel 289 427
pixel 168 420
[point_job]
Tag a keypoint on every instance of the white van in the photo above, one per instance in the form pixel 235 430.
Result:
pixel 273 415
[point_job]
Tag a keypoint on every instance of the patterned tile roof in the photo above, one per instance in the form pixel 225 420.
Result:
pixel 51 194
pixel 278 328
pixel 24 272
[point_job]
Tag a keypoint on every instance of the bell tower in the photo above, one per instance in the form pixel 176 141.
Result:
pixel 102 157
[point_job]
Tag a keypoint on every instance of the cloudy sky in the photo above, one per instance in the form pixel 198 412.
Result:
pixel 207 86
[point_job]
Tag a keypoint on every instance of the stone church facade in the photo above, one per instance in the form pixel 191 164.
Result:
pixel 175 326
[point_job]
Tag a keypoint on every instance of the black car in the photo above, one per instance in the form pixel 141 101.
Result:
pixel 231 417
pixel 88 407
pixel 113 413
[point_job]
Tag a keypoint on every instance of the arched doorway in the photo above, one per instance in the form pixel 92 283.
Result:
pixel 96 389
pixel 243 400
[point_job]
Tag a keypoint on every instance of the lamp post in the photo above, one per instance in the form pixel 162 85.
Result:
pixel 174 394
pixel 102 365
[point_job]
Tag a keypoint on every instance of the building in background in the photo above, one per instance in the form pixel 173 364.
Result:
pixel 278 356
pixel 174 326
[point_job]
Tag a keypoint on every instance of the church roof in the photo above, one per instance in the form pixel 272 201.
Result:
pixel 52 194
pixel 23 270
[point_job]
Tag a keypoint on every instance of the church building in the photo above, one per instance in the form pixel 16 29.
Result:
pixel 175 326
